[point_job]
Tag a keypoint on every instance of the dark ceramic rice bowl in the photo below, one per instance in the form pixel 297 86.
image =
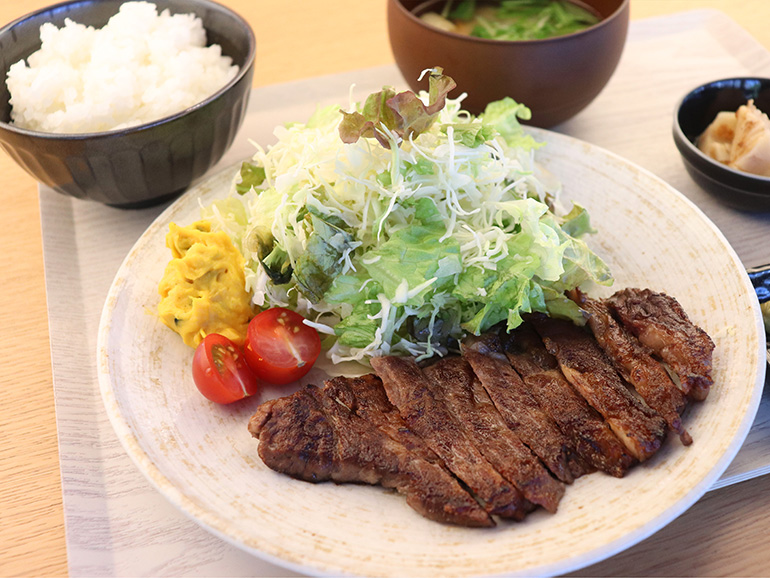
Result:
pixel 138 166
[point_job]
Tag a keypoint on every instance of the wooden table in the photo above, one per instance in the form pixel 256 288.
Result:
pixel 724 532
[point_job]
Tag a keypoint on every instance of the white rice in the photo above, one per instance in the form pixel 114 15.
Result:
pixel 142 66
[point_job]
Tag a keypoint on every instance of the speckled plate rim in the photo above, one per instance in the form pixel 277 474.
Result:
pixel 313 553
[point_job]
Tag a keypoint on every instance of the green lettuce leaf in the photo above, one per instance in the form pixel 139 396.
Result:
pixel 577 222
pixel 415 255
pixel 251 177
pixel 503 115
pixel 323 116
pixel 316 268
pixel 357 328
pixel 473 134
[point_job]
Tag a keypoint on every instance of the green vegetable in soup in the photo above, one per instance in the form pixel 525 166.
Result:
pixel 513 19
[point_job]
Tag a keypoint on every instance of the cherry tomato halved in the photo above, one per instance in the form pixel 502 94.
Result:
pixel 280 347
pixel 220 370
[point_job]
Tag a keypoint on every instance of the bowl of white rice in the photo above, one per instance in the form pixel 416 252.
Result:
pixel 124 102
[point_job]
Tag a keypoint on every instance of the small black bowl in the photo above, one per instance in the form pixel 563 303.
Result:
pixel 143 165
pixel 694 113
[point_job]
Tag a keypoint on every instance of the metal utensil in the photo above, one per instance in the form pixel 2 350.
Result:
pixel 760 278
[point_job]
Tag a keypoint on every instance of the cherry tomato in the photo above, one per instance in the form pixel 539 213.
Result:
pixel 280 347
pixel 220 370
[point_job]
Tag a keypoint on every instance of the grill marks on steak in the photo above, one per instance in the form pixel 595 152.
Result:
pixel 634 362
pixel 660 323
pixel 295 437
pixel 427 414
pixel 593 438
pixel 520 409
pixel 485 427
pixel 366 397
pixel 310 436
pixel 584 364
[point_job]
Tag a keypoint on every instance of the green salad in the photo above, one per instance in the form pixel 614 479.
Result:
pixel 405 224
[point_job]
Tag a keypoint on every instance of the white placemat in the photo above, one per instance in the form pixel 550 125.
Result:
pixel 117 524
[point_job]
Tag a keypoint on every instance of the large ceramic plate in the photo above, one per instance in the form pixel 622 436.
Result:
pixel 201 457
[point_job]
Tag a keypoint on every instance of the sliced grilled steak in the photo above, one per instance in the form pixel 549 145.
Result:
pixel 520 409
pixel 660 323
pixel 487 430
pixel 593 438
pixel 296 438
pixel 366 397
pixel 409 389
pixel 634 362
pixel 586 367
pixel 312 437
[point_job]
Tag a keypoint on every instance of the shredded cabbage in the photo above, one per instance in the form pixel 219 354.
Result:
pixel 406 249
